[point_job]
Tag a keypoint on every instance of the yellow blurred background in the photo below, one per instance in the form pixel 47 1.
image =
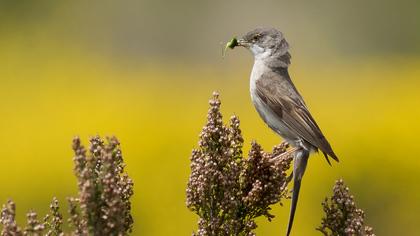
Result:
pixel 144 71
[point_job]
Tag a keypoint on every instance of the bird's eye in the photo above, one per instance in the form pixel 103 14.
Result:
pixel 256 37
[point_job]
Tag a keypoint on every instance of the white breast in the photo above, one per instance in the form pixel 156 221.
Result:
pixel 257 71
pixel 269 117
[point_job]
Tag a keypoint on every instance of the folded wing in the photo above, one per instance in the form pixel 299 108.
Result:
pixel 274 90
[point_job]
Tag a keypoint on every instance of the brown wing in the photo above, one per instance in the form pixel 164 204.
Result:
pixel 277 91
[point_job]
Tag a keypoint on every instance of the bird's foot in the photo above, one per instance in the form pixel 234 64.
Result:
pixel 284 154
pixel 284 144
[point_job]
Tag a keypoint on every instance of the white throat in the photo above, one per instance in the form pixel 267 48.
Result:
pixel 259 52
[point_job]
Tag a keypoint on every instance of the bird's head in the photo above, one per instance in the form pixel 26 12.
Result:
pixel 264 43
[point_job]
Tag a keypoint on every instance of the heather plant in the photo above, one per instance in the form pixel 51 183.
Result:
pixel 226 190
pixel 102 206
pixel 229 191
pixel 342 217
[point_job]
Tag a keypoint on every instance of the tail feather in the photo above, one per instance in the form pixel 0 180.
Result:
pixel 299 166
pixel 326 158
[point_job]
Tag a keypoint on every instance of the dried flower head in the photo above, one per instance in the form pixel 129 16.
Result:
pixel 226 190
pixel 342 217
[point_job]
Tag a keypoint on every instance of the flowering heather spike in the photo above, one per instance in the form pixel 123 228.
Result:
pixel 225 190
pixel 264 182
pixel 79 157
pixel 104 190
pixel 85 170
pixel 8 213
pixel 116 207
pixel 212 190
pixel 78 224
pixel 342 217
pixel 236 140
pixel 54 221
pixel 34 226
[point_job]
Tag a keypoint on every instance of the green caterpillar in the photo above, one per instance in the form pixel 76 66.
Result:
pixel 231 44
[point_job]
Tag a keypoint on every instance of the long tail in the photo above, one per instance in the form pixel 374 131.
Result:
pixel 299 166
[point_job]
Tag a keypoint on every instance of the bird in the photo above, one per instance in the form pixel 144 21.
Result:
pixel 280 105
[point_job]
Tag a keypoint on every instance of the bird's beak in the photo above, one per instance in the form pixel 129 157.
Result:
pixel 235 43
pixel 243 43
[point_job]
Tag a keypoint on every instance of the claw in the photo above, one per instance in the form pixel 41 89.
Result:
pixel 292 150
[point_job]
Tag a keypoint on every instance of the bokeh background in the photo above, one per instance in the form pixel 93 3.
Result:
pixel 144 71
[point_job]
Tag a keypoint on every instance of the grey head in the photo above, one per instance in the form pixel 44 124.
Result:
pixel 267 44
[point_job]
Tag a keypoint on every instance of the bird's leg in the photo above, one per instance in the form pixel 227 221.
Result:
pixel 279 157
pixel 289 178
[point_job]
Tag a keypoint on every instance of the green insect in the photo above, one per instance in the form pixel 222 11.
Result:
pixel 231 44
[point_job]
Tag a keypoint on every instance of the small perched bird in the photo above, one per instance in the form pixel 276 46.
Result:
pixel 279 103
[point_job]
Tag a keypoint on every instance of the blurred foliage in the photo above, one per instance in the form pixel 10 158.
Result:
pixel 165 30
pixel 143 71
